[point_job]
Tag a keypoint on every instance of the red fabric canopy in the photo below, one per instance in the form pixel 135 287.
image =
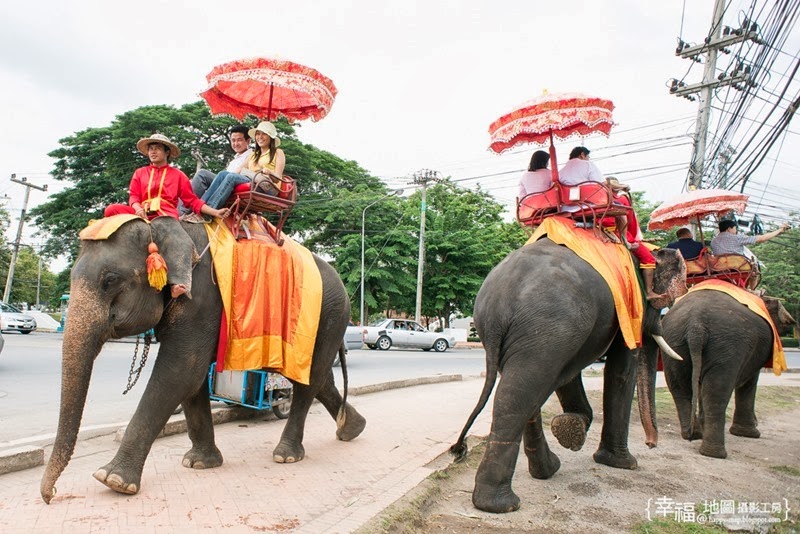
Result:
pixel 268 88
pixel 695 205
pixel 551 115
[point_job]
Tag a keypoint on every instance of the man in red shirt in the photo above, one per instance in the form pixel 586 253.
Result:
pixel 155 189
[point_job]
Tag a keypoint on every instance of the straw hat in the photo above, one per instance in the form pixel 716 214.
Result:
pixel 267 128
pixel 616 185
pixel 174 151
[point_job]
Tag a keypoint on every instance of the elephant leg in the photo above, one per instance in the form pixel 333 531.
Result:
pixel 290 447
pixel 715 393
pixel 518 395
pixel 570 427
pixel 204 453
pixel 542 462
pixel 619 381
pixel 353 423
pixel 745 422
pixel 679 383
pixel 169 384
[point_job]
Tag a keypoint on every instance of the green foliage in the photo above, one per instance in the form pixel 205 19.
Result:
pixel 27 277
pixel 781 271
pixel 465 238
pixel 643 209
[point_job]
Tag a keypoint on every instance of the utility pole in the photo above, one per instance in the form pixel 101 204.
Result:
pixel 15 251
pixel 717 41
pixel 422 178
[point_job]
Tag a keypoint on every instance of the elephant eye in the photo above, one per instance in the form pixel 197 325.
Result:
pixel 109 280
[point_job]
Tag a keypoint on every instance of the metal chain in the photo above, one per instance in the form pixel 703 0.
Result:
pixel 145 351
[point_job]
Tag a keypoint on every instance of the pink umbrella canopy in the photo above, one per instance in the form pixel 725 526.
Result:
pixel 556 115
pixel 694 205
pixel 268 88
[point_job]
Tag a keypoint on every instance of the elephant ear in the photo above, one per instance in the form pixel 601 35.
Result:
pixel 670 276
pixel 177 248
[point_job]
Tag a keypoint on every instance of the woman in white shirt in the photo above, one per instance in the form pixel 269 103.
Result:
pixel 538 177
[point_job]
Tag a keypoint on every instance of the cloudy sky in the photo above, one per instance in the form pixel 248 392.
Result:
pixel 419 81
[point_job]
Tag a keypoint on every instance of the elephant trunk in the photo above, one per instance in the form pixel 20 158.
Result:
pixel 84 335
pixel 646 391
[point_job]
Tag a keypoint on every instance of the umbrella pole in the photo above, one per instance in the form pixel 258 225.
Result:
pixel 269 106
pixel 553 162
pixel 700 230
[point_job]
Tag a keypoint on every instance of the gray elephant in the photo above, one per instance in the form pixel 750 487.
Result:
pixel 111 298
pixel 543 315
pixel 725 345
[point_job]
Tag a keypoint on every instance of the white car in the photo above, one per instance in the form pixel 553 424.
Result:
pixel 388 333
pixel 12 320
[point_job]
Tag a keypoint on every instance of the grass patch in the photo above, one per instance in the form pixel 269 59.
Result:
pixel 670 526
pixel 786 469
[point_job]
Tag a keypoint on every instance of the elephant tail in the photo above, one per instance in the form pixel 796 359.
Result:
pixel 342 417
pixel 459 448
pixel 696 354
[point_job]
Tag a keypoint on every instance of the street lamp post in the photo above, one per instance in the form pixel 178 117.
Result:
pixel 363 216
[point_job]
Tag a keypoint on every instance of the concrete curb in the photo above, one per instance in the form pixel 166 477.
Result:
pixel 28 456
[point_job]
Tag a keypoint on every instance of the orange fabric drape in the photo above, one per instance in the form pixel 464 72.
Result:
pixel 272 298
pixel 613 262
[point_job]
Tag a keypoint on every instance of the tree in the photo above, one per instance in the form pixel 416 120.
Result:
pixel 643 209
pixel 465 238
pixel 28 278
pixel 781 271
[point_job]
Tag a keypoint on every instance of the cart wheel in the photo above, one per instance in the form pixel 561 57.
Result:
pixel 282 410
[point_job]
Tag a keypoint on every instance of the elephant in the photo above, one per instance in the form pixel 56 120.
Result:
pixel 727 344
pixel 110 298
pixel 543 315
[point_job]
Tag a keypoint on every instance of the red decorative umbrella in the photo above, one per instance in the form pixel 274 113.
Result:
pixel 549 116
pixel 694 205
pixel 268 88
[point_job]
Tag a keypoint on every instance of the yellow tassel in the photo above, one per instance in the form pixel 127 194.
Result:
pixel 156 268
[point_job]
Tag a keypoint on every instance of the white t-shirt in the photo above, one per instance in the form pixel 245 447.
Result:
pixel 534 182
pixel 579 170
pixel 239 161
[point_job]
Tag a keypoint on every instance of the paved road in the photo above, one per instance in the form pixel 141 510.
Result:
pixel 30 381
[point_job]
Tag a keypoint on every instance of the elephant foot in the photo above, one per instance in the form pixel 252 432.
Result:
pixel 352 426
pixel 745 431
pixel 116 481
pixel 691 435
pixel 620 459
pixel 197 458
pixel 543 470
pixel 287 454
pixel 570 430
pixel 497 500
pixel 713 451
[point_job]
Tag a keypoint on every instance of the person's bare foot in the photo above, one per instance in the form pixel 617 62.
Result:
pixel 177 290
pixel 653 296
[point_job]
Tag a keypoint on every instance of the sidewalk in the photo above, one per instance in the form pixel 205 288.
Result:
pixel 337 488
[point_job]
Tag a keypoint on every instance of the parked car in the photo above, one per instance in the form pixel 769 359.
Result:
pixel 13 320
pixel 388 333
pixel 2 342
pixel 353 338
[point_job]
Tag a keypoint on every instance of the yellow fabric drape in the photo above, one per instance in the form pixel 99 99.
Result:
pixel 757 306
pixel 272 298
pixel 613 262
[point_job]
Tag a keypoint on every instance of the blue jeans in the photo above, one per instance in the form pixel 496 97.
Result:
pixel 222 187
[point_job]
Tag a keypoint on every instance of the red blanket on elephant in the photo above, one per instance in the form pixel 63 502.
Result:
pixel 757 306
pixel 272 298
pixel 613 262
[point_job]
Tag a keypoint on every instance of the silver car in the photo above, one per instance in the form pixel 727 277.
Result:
pixel 388 333
pixel 13 320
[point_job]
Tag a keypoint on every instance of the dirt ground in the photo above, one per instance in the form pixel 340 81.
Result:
pixel 672 479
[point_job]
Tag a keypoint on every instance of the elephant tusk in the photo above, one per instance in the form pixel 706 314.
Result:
pixel 666 349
